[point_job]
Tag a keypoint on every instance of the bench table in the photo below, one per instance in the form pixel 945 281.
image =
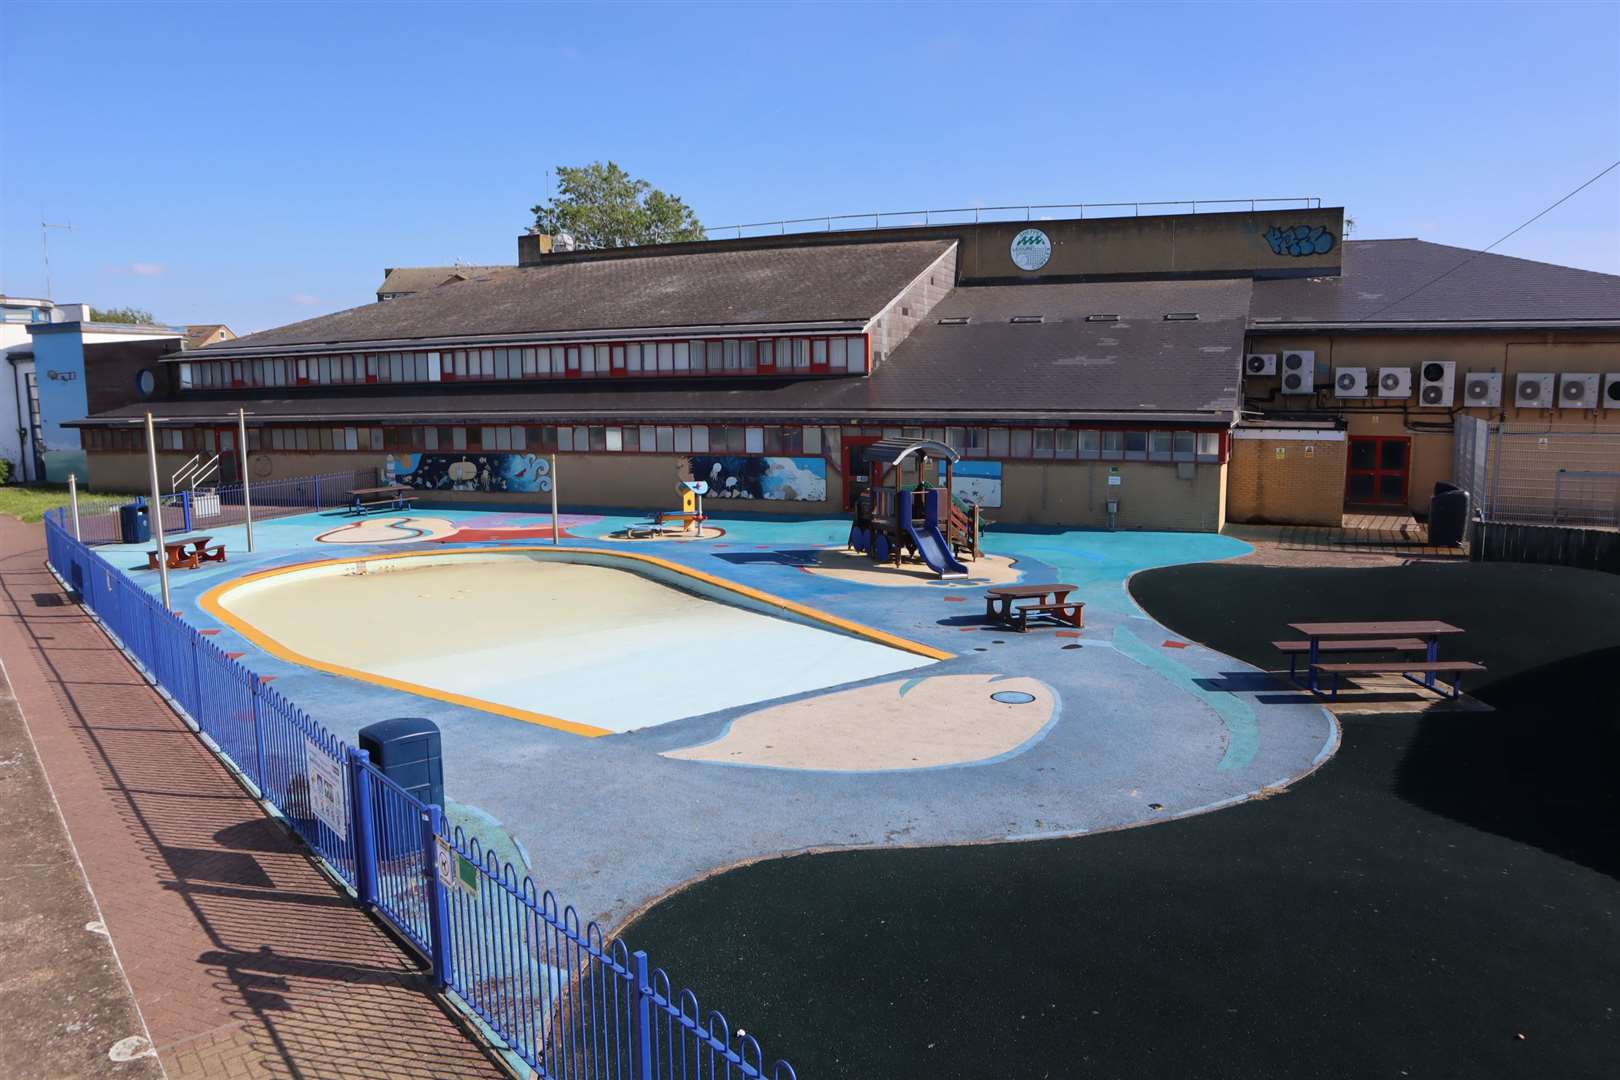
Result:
pixel 393 496
pixel 1429 630
pixel 998 605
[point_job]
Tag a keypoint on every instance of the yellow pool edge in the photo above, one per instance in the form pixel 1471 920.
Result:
pixel 211 602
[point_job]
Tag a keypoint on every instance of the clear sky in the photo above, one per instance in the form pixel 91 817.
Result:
pixel 261 164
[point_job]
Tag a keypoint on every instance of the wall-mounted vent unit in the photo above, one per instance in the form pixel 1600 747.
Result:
pixel 1482 389
pixel 1437 383
pixel 1028 318
pixel 954 320
pixel 1102 318
pixel 1299 372
pixel 1257 363
pixel 1349 382
pixel 1181 316
pixel 1578 390
pixel 1394 382
pixel 1611 391
pixel 1534 390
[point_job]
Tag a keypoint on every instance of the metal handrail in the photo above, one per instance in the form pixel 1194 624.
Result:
pixel 1306 202
pixel 183 471
pixel 204 471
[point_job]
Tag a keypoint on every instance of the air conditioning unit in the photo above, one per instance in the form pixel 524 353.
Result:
pixel 1578 391
pixel 1482 389
pixel 1437 382
pixel 1534 390
pixel 1299 372
pixel 1350 382
pixel 1395 382
pixel 1260 363
pixel 1611 391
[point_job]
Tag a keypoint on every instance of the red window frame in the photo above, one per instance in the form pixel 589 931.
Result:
pixel 1377 472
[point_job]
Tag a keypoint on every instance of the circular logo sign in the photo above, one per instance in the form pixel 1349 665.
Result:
pixel 1031 249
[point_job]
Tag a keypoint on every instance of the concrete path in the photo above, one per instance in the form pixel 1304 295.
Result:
pixel 244 960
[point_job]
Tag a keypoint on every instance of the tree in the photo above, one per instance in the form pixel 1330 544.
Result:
pixel 122 315
pixel 602 206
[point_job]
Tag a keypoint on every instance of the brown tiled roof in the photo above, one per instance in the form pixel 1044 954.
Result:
pixel 415 279
pixel 1379 275
pixel 780 285
pixel 199 333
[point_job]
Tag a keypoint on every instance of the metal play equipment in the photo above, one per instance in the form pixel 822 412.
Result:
pixel 893 520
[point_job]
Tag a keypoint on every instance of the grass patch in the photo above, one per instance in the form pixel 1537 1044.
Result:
pixel 28 502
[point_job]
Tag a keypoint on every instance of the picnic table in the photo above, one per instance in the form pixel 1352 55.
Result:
pixel 999 605
pixel 178 558
pixel 392 496
pixel 1398 635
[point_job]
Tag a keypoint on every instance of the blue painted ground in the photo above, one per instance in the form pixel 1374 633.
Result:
pixel 610 825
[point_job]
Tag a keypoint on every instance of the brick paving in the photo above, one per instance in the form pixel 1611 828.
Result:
pixel 244 959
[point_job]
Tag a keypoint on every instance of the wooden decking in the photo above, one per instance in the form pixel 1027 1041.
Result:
pixel 1359 532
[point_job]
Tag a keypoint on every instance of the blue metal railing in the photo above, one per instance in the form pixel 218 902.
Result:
pixel 185 511
pixel 567 1000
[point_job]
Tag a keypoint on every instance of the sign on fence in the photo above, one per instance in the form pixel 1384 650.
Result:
pixel 326 788
pixel 455 869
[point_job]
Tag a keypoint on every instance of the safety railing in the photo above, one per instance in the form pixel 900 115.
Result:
pixel 225 505
pixel 961 215
pixel 560 995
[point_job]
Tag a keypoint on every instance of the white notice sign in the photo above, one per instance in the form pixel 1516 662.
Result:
pixel 326 788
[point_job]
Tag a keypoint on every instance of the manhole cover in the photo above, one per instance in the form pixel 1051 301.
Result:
pixel 1012 697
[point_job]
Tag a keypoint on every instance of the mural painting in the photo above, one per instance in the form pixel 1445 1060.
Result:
pixel 470 472
pixel 977 482
pixel 778 478
pixel 1299 241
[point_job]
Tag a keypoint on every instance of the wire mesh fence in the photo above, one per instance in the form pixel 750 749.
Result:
pixel 1539 477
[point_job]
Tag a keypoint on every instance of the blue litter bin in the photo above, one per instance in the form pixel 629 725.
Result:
pixel 134 527
pixel 407 750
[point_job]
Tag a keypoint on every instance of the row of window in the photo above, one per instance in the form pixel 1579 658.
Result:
pixel 973 442
pixel 840 354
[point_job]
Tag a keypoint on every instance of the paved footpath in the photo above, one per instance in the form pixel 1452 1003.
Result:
pixel 244 960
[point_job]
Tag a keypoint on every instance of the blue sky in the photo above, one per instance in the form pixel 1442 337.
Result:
pixel 261 164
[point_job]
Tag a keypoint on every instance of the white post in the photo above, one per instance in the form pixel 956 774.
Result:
pixel 554 540
pixel 155 514
pixel 73 498
pixel 700 517
pixel 241 452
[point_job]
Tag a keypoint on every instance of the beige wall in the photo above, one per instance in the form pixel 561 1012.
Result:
pixel 1151 496
pixel 1286 481
pixel 1508 352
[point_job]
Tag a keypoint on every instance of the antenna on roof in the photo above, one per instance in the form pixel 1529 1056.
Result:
pixel 45 246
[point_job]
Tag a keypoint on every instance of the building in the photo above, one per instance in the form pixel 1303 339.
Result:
pixel 401 281
pixel 1173 371
pixel 18 402
pixel 81 366
pixel 207 334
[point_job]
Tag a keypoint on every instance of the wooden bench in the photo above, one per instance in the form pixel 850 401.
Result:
pixel 393 497
pixel 210 553
pixel 1072 613
pixel 1294 649
pixel 1404 668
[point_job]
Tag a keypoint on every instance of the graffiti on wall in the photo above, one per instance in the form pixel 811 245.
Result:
pixel 977 482
pixel 470 472
pixel 789 479
pixel 1299 240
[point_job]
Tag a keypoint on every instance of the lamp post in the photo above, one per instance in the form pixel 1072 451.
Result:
pixel 155 514
pixel 242 454
pixel 554 540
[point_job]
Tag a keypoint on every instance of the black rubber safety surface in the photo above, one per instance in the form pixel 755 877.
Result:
pixel 1440 900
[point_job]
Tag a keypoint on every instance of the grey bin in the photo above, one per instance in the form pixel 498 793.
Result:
pixel 134 527
pixel 407 750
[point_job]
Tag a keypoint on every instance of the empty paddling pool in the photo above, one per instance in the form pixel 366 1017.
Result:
pixel 587 641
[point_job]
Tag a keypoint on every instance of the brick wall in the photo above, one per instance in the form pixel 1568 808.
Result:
pixel 1286 481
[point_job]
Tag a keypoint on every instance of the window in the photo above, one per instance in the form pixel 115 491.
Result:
pixel 1183 446
pixel 648 439
pixel 683 355
pixel 767 354
pixel 598 439
pixel 1209 445
pixel 458 438
pixel 838 354
pixel 1045 442
pixel 700 440
pixel 618 359
pixel 633 357
pixel 715 352
pixel 573 358
pixel 1064 445
pixel 754 441
pixel 430 438
pixel 801 353
pixel 666 440
pixel 1159 443
pixel 587 359
pixel 1113 444
pixel 818 352
pixel 565 438
pixel 683 440
pixel 733 355
pixel 812 440
pixel 1022 443
pixel 666 356
pixel 1136 444
pixel 503 366
pixel 615 440
pixel 998 442
pixel 1090 443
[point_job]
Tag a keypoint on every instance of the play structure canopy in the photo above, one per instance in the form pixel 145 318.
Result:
pixel 891 452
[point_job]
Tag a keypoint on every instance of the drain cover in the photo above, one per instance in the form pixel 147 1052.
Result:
pixel 1012 697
